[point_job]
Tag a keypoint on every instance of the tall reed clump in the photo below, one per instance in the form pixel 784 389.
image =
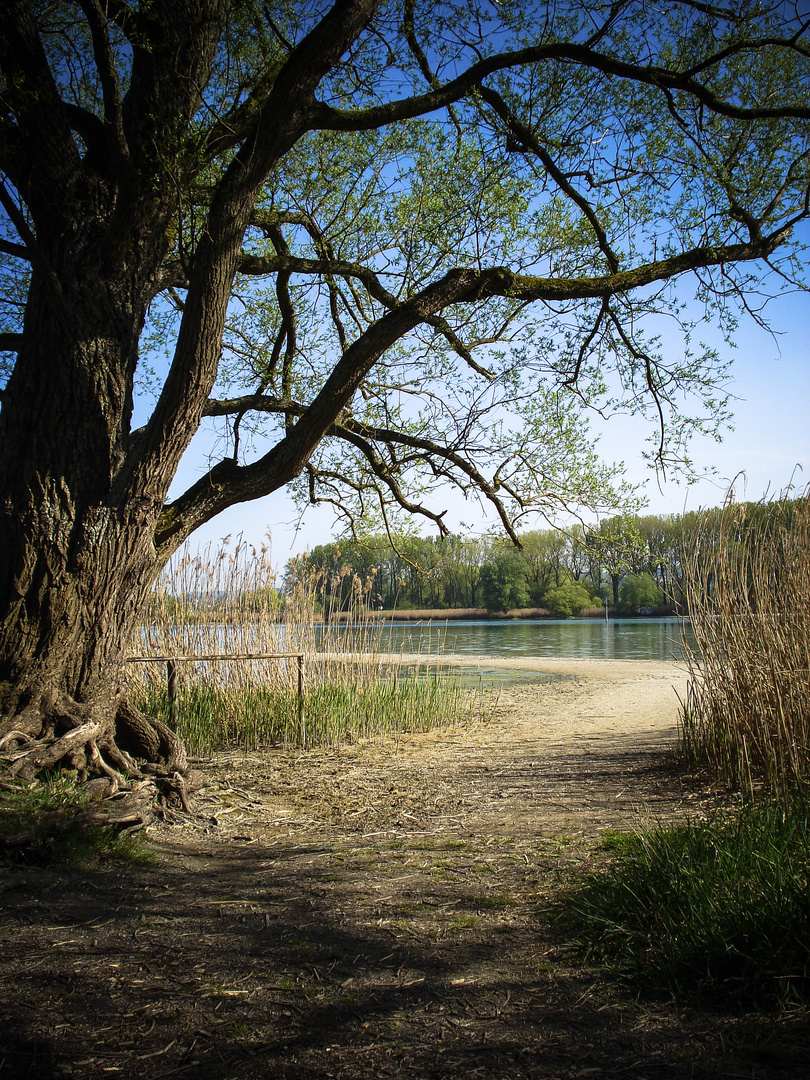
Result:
pixel 224 601
pixel 747 581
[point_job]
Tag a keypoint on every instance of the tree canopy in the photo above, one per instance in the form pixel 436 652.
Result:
pixel 402 243
pixel 388 247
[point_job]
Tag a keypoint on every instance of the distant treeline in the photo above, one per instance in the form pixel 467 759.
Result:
pixel 632 564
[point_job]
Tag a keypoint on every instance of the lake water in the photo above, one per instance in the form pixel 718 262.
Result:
pixel 585 639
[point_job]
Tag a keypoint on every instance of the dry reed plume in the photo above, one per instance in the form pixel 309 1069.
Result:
pixel 747 576
pixel 224 602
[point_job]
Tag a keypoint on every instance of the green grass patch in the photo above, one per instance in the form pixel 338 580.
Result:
pixel 495 902
pixel 211 718
pixel 718 911
pixel 460 923
pixel 42 822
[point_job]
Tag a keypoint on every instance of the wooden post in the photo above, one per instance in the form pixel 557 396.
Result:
pixel 171 682
pixel 301 717
pixel 171 663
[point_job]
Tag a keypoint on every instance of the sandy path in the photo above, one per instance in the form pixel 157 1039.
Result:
pixel 586 753
pixel 578 755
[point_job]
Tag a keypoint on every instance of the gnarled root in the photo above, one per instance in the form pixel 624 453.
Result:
pixel 149 738
pixel 131 764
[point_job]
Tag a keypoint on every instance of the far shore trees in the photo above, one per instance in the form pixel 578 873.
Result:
pixel 638 592
pixel 504 582
pixel 387 249
pixel 567 600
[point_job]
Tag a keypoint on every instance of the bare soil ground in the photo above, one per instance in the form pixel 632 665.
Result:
pixel 378 911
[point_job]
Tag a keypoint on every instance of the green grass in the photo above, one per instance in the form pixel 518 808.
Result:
pixel 718 911
pixel 460 923
pixel 210 718
pixel 495 902
pixel 41 822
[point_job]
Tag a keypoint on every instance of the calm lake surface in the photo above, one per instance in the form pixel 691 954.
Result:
pixel 569 638
pixel 584 639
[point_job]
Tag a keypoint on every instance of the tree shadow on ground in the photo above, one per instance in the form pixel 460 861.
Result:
pixel 324 959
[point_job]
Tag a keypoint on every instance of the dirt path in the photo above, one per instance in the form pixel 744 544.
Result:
pixel 377 911
pixel 575 756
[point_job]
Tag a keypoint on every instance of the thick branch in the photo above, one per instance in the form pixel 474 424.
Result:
pixel 332 119
pixel 228 483
pixel 19 251
pixel 45 153
pixel 107 71
pixel 10 342
pixel 281 122
pixel 500 281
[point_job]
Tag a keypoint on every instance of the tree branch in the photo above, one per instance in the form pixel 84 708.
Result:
pixel 228 483
pixel 19 251
pixel 262 265
pixel 525 136
pixel 108 73
pixel 10 342
pixel 328 118
pixel 45 154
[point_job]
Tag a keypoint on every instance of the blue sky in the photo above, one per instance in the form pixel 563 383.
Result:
pixel 770 379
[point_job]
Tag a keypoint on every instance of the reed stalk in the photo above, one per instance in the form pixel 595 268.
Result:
pixel 747 579
pixel 224 601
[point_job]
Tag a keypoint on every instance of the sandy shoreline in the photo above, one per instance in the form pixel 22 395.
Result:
pixel 603 699
pixel 607 698
pixel 586 667
pixel 604 696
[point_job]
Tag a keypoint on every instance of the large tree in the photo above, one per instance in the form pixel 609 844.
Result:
pixel 388 246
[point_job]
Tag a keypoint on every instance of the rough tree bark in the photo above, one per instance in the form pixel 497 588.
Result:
pixel 77 553
pixel 83 494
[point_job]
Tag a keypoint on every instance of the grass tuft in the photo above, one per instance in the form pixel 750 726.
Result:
pixel 43 822
pixel 717 911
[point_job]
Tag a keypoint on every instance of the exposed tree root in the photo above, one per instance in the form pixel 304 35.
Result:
pixel 149 738
pixel 130 764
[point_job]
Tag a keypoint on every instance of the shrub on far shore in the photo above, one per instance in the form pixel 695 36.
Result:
pixel 638 592
pixel 567 600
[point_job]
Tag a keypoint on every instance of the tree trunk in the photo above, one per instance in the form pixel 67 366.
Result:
pixel 77 554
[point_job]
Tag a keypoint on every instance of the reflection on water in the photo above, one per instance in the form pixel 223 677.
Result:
pixel 584 639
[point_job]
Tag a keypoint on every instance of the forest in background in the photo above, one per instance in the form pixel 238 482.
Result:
pixel 632 564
